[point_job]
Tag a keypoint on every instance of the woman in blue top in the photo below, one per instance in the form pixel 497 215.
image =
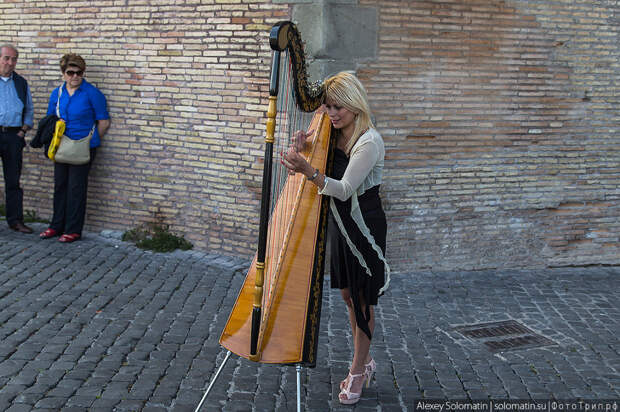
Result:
pixel 83 107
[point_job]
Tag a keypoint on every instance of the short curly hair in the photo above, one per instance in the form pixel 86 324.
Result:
pixel 72 59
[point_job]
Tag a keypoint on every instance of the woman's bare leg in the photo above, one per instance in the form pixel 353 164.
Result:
pixel 361 342
pixel 346 296
pixel 361 356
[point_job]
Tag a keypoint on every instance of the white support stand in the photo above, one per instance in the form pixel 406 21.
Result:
pixel 204 397
pixel 298 368
pixel 217 374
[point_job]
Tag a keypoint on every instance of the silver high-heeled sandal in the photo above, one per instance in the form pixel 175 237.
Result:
pixel 346 397
pixel 369 371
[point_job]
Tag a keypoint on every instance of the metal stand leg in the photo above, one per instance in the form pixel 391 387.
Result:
pixel 298 368
pixel 204 397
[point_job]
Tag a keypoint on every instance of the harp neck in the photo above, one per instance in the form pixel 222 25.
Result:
pixel 285 36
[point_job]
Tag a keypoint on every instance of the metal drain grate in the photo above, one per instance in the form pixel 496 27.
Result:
pixel 504 335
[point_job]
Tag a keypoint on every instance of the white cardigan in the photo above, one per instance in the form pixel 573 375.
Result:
pixel 365 170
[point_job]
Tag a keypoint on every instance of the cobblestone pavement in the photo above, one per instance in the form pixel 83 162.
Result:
pixel 99 325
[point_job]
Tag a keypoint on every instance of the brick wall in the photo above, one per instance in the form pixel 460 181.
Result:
pixel 500 120
pixel 186 84
pixel 501 123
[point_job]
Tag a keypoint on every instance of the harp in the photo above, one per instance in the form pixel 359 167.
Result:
pixel 275 318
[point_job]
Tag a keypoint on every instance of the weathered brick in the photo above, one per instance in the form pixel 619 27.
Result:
pixel 499 117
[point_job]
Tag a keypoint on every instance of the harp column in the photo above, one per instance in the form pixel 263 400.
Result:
pixel 264 209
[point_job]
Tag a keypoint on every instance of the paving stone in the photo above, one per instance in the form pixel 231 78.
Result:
pixel 103 326
pixel 19 408
pixel 83 401
pixel 51 402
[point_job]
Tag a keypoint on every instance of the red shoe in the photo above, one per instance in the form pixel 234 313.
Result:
pixel 48 233
pixel 68 238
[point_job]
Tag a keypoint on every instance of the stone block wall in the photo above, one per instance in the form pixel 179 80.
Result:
pixel 501 122
pixel 500 119
pixel 186 83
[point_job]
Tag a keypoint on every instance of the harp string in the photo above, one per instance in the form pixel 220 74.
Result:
pixel 289 119
pixel 279 173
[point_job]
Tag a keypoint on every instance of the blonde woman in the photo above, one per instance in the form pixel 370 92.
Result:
pixel 357 224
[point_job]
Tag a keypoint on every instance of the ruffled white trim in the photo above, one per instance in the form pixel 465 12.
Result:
pixel 356 215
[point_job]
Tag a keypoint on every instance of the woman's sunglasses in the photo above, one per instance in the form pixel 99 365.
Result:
pixel 71 73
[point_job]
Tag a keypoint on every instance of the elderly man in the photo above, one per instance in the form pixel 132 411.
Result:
pixel 16 118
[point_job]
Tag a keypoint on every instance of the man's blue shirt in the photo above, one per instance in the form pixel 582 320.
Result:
pixel 80 111
pixel 11 106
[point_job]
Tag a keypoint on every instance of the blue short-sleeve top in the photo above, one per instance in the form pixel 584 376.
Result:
pixel 80 111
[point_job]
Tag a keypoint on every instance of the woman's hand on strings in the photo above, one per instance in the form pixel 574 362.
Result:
pixel 300 138
pixel 296 163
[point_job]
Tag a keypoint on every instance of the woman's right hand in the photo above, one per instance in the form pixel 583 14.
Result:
pixel 296 163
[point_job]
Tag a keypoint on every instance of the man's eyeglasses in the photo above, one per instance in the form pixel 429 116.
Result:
pixel 71 73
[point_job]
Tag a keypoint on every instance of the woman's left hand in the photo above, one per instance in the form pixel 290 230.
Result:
pixel 300 138
pixel 295 163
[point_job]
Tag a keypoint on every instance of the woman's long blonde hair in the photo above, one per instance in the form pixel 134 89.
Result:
pixel 344 89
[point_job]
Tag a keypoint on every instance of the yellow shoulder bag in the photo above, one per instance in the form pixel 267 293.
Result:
pixel 59 130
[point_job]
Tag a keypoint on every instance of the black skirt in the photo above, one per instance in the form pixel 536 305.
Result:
pixel 345 268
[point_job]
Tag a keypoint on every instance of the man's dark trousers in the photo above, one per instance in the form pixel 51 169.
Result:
pixel 11 147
